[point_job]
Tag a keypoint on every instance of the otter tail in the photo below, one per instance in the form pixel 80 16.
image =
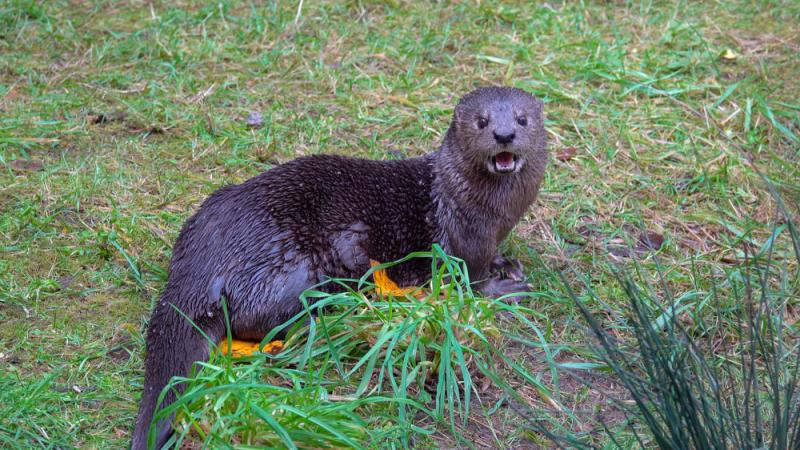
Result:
pixel 173 345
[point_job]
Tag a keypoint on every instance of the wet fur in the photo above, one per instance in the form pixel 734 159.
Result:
pixel 262 242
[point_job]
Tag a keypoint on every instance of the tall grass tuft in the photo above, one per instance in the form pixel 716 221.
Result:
pixel 359 369
pixel 731 385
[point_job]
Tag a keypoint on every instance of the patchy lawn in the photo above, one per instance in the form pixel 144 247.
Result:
pixel 118 118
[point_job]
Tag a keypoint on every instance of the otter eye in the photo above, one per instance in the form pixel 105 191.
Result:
pixel 522 121
pixel 483 122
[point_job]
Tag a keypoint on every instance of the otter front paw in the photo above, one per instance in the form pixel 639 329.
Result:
pixel 498 287
pixel 509 268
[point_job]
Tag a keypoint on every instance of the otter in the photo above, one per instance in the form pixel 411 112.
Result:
pixel 261 243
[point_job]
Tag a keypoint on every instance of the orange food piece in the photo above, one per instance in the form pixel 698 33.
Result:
pixel 384 285
pixel 273 348
pixel 241 349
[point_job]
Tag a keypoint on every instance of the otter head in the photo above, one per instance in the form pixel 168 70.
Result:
pixel 499 130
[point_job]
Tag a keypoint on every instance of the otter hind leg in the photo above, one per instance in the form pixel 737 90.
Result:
pixel 269 300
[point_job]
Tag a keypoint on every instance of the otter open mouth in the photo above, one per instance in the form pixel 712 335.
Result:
pixel 504 162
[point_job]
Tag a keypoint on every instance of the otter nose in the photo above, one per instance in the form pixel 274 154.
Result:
pixel 504 136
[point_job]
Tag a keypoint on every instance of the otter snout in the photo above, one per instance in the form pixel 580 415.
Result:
pixel 504 136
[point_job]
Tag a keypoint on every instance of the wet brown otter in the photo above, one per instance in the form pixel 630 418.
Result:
pixel 261 243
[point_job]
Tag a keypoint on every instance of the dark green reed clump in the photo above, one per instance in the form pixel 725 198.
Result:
pixel 731 384
pixel 367 369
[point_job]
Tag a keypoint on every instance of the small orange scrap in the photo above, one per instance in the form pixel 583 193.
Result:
pixel 240 349
pixel 384 285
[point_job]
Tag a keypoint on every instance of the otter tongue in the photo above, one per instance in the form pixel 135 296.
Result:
pixel 504 160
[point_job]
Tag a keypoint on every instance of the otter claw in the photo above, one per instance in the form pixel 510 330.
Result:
pixel 498 287
pixel 509 268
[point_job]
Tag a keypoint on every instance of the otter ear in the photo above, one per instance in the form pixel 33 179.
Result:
pixel 538 111
pixel 458 114
pixel 538 106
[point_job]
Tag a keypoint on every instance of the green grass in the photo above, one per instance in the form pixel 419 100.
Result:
pixel 399 361
pixel 651 128
pixel 730 386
